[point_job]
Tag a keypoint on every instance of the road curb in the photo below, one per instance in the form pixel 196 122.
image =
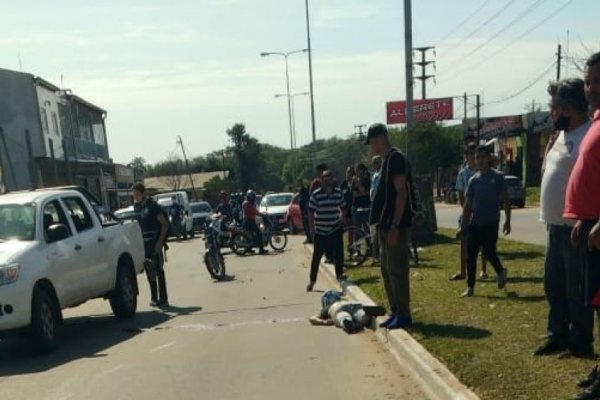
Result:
pixel 433 376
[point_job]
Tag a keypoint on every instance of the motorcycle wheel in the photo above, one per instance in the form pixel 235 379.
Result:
pixel 240 244
pixel 278 241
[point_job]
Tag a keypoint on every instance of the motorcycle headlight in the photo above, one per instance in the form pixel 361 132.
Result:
pixel 9 273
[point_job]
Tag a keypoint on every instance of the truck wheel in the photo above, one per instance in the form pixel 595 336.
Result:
pixel 123 299
pixel 45 322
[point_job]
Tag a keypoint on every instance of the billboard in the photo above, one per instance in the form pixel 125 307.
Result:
pixel 424 110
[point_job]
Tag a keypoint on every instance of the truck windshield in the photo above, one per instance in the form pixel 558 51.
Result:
pixel 17 222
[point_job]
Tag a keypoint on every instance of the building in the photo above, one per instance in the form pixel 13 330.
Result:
pixel 175 183
pixel 50 137
pixel 519 142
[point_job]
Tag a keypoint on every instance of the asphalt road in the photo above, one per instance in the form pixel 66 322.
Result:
pixel 525 223
pixel 247 338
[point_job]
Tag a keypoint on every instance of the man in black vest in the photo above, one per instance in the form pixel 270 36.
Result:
pixel 392 213
pixel 155 227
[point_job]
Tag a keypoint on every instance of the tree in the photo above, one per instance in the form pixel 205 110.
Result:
pixel 138 163
pixel 248 159
pixel 213 187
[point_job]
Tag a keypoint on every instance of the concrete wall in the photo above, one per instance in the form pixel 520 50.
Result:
pixel 50 121
pixel 19 111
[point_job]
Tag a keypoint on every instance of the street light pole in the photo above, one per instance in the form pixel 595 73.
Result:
pixel 293 124
pixel 287 82
pixel 310 77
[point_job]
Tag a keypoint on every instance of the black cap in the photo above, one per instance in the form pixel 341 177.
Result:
pixel 376 130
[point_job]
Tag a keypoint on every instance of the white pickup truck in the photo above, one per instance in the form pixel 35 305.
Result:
pixel 55 253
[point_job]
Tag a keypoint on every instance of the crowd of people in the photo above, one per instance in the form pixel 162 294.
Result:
pixel 570 207
pixel 384 201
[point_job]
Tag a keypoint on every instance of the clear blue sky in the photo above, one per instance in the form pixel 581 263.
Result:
pixel 192 67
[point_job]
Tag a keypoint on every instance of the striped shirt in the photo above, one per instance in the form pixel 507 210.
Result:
pixel 327 209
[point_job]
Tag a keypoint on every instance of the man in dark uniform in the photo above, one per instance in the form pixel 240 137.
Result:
pixel 154 229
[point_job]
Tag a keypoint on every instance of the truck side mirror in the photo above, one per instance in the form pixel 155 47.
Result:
pixel 57 232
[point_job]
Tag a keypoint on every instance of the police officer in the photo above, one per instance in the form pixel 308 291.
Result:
pixel 250 214
pixel 155 226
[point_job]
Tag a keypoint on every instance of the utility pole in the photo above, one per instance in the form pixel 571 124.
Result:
pixel 187 167
pixel 465 107
pixel 310 78
pixel 361 132
pixel 478 105
pixel 408 47
pixel 558 62
pixel 423 64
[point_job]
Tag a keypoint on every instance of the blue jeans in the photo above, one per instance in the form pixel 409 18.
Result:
pixel 570 321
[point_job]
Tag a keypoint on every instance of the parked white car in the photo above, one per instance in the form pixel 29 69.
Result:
pixel 276 206
pixel 55 254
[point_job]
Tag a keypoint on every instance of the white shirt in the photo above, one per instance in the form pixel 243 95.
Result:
pixel 559 164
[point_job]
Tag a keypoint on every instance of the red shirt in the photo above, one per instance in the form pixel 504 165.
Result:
pixel 583 191
pixel 249 211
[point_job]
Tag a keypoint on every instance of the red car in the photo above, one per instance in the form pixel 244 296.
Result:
pixel 293 217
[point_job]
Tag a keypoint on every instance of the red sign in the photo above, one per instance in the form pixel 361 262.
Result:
pixel 424 110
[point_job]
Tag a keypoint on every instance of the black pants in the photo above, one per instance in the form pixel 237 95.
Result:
pixel 251 227
pixel 486 237
pixel 305 224
pixel 591 266
pixel 322 243
pixel 156 274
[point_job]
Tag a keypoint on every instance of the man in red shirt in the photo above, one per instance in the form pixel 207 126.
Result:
pixel 582 204
pixel 250 214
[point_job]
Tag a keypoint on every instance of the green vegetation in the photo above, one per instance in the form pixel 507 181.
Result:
pixel 271 168
pixel 532 196
pixel 486 340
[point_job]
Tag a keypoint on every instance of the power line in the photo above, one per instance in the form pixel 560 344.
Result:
pixel 487 22
pixel 529 85
pixel 462 23
pixel 529 9
pixel 512 41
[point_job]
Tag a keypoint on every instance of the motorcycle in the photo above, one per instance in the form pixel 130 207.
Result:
pixel 213 259
pixel 242 241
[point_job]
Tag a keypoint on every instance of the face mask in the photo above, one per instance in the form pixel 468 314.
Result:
pixel 562 123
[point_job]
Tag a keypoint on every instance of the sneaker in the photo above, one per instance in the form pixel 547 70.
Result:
pixel 400 323
pixel 483 276
pixel 590 379
pixel 592 392
pixel 502 278
pixel 457 277
pixel 388 321
pixel 163 303
pixel 310 286
pixel 548 348
pixel 342 278
pixel 153 303
pixel 468 292
pixel 263 252
pixel 576 353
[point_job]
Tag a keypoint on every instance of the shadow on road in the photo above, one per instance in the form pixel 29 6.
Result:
pixel 82 337
pixel 450 331
pixel 525 279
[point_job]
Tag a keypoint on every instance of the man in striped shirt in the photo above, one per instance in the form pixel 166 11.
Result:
pixel 326 205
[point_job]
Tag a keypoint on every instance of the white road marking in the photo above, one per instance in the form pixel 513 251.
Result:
pixel 109 371
pixel 211 327
pixel 162 347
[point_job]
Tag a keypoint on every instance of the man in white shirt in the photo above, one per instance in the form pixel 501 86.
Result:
pixel 570 321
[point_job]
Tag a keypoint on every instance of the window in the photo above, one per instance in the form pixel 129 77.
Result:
pixel 54 214
pixel 17 222
pixel 44 116
pixel 79 214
